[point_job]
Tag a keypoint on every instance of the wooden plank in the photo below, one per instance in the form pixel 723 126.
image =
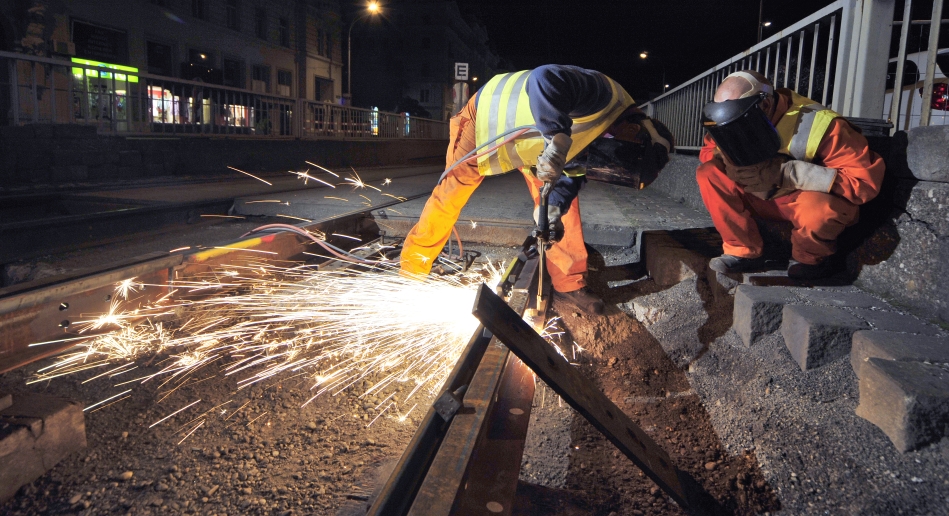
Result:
pixel 586 399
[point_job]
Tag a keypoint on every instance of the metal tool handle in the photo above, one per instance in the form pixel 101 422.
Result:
pixel 542 233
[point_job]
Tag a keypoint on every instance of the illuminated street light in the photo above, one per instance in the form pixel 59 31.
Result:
pixel 371 8
pixel 645 56
pixel 761 23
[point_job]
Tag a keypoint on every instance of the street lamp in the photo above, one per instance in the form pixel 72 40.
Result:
pixel 761 24
pixel 644 55
pixel 371 9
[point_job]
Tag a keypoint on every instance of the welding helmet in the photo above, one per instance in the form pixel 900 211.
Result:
pixel 740 128
pixel 627 156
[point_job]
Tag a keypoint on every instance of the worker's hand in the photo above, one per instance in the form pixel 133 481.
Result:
pixel 550 162
pixel 760 178
pixel 554 224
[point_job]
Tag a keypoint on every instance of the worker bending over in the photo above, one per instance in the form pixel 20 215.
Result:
pixel 778 155
pixel 570 109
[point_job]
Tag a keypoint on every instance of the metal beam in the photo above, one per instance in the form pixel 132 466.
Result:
pixel 590 402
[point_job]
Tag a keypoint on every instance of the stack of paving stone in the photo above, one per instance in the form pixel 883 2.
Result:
pixel 901 362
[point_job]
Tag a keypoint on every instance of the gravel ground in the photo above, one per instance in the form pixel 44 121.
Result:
pixel 760 435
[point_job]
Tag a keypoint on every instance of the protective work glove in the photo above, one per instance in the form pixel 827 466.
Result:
pixel 554 224
pixel 801 175
pixel 760 179
pixel 550 162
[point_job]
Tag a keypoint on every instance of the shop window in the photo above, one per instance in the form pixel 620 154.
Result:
pixel 424 96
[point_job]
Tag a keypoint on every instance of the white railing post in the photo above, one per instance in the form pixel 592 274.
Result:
pixel 849 16
pixel 932 50
pixel 870 66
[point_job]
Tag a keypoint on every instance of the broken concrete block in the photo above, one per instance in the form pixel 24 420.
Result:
pixel 758 311
pixel 909 401
pixel 668 262
pixel 816 335
pixel 892 321
pixel 36 432
pixel 889 345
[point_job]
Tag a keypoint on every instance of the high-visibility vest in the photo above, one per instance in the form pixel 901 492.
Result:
pixel 803 127
pixel 503 105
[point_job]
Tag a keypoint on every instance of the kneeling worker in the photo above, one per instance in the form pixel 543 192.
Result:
pixel 568 109
pixel 778 155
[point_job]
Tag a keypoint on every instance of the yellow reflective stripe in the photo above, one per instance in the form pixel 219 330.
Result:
pixel 822 120
pixel 518 99
pixel 803 127
pixel 575 171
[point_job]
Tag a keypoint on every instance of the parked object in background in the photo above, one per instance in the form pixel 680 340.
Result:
pixel 911 100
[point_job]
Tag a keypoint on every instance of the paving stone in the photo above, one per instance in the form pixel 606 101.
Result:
pixel 816 335
pixel 668 262
pixel 758 311
pixel 892 321
pixel 36 432
pixel 909 401
pixel 840 298
pixel 890 345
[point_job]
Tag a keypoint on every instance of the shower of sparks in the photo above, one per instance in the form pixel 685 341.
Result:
pixel 474 225
pixel 347 236
pixel 357 181
pixel 387 182
pixel 249 174
pixel 337 198
pixel 266 200
pixel 224 216
pixel 292 217
pixel 306 177
pixel 396 197
pixel 180 249
pixel 367 333
pixel 324 169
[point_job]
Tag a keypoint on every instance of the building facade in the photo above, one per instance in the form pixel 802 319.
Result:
pixel 410 59
pixel 287 48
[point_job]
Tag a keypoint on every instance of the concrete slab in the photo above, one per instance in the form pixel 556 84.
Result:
pixel 36 432
pixel 758 311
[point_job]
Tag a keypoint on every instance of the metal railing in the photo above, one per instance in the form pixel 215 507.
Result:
pixel 837 56
pixel 38 90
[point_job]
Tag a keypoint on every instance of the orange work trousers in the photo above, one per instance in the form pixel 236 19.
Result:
pixel 818 218
pixel 566 260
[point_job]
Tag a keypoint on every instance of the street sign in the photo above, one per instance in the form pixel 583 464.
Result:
pixel 461 71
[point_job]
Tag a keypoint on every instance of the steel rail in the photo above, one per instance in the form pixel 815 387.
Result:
pixel 466 459
pixel 35 317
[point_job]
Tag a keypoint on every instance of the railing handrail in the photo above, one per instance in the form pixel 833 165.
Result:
pixel 783 33
pixel 176 80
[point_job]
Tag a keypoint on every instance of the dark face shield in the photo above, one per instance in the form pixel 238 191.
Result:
pixel 627 160
pixel 741 130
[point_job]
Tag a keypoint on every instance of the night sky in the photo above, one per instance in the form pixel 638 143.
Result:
pixel 688 36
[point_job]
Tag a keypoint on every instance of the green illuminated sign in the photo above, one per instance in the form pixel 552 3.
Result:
pixel 78 72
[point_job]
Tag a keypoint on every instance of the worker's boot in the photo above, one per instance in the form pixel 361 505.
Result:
pixel 583 299
pixel 804 271
pixel 728 264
